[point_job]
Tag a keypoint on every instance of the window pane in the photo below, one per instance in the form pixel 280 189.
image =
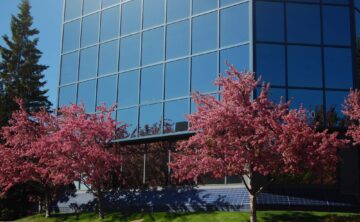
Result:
pixel 357 19
pixel 204 32
pixel 304 65
pixel 336 25
pixel 129 117
pixel 177 79
pixel 152 84
pixel 357 3
pixel 177 39
pixel 311 100
pixel 153 12
pixel 106 91
pixel 108 57
pixel 71 39
pixel 150 119
pixel 72 9
pixel 234 27
pixel 204 73
pixel 91 6
pixel 338 68
pixel 131 18
pixel 228 2
pixel 69 68
pixel 237 56
pixel 110 23
pixel 303 23
pixel 130 52
pixel 204 5
pixel 270 21
pixel 334 100
pixel 312 1
pixel 90 30
pixel 128 89
pixel 177 9
pixel 88 62
pixel 337 1
pixel 174 117
pixel 106 3
pixel 270 63
pixel 275 94
pixel 86 95
pixel 153 46
pixel 67 95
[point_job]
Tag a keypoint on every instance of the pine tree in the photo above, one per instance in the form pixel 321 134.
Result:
pixel 21 75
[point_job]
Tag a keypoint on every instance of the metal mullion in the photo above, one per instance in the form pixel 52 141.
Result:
pixel 234 4
pixel 140 69
pixel 323 63
pixel 61 60
pixel 78 51
pixel 110 6
pixel 252 36
pixel 307 3
pixel 162 121
pixel 195 54
pixel 353 12
pixel 286 53
pixel 97 60
pixel 126 107
pixel 304 44
pixel 190 58
pixel 305 87
pixel 218 43
pixel 117 94
pixel 118 61
pixel 109 40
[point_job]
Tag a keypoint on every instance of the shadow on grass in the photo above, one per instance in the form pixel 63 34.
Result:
pixel 308 217
pixel 152 217
pixel 67 216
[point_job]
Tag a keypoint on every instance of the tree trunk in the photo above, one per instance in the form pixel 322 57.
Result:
pixel 40 210
pixel 252 207
pixel 100 204
pixel 47 205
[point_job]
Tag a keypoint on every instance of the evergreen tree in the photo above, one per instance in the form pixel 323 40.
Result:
pixel 21 75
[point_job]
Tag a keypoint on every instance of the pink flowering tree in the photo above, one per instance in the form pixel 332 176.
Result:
pixel 245 137
pixel 351 110
pixel 28 155
pixel 88 150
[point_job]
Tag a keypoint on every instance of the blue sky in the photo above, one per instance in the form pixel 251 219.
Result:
pixel 47 19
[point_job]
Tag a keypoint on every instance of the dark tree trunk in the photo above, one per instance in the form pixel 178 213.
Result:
pixel 47 205
pixel 100 197
pixel 252 207
pixel 40 207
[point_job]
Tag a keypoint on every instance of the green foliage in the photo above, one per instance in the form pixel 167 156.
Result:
pixel 21 75
pixel 278 216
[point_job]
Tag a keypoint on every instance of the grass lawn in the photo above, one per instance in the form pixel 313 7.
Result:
pixel 263 216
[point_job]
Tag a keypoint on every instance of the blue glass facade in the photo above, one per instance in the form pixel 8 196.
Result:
pixel 148 56
pixel 305 50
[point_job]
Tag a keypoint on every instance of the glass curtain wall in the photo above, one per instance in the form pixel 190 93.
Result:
pixel 148 56
pixel 304 49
